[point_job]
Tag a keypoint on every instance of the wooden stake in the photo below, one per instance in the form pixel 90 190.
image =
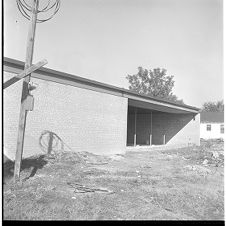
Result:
pixel 50 145
pixel 25 91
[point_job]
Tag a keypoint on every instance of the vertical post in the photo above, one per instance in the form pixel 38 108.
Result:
pixel 50 145
pixel 135 132
pixel 25 91
pixel 150 139
pixel 151 131
pixel 164 139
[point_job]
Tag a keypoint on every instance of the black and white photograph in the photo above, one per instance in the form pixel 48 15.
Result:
pixel 112 110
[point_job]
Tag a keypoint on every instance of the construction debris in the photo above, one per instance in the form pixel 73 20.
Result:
pixel 79 188
pixel 215 154
pixel 205 162
pixel 93 159
pixel 199 169
pixel 210 153
pixel 117 157
pixel 78 157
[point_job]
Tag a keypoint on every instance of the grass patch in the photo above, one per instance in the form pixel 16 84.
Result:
pixel 152 185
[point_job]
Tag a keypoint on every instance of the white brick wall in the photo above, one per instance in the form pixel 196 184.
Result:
pixel 179 129
pixel 85 120
pixel 11 110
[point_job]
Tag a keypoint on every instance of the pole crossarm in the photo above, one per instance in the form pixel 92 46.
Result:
pixel 24 73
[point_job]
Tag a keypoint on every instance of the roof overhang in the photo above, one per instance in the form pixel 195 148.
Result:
pixel 159 107
pixel 135 99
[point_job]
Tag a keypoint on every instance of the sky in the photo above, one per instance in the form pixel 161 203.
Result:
pixel 105 40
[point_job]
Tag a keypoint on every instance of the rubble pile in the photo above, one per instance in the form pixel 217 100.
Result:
pixel 213 153
pixel 199 169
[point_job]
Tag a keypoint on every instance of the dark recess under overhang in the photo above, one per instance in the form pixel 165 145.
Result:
pixel 153 124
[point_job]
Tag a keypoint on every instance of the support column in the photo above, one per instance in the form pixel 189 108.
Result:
pixel 151 131
pixel 150 139
pixel 135 132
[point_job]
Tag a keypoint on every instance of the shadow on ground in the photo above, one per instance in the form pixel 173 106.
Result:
pixel 27 164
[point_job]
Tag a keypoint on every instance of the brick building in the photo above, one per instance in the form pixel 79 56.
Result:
pixel 84 115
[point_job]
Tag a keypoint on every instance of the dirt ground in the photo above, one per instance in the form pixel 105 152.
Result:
pixel 176 184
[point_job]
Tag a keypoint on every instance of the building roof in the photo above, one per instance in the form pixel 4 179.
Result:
pixel 212 117
pixel 16 66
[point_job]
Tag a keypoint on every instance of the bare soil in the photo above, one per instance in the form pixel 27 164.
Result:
pixel 176 184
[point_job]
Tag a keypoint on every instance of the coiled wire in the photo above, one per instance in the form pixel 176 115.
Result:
pixel 26 9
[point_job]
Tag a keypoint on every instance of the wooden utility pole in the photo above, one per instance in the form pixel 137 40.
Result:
pixel 25 91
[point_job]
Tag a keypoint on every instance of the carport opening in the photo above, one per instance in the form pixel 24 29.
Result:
pixel 140 128
pixel 146 127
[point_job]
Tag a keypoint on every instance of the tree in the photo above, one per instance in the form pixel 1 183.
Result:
pixel 213 106
pixel 154 83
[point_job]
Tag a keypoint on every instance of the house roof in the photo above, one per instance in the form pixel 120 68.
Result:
pixel 16 66
pixel 214 117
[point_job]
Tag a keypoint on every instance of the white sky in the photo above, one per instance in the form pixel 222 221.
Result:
pixel 105 40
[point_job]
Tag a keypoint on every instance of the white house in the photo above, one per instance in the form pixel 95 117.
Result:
pixel 212 125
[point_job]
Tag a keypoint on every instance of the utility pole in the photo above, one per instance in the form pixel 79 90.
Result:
pixel 25 91
pixel 27 100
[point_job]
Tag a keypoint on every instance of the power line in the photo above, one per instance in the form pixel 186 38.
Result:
pixel 25 9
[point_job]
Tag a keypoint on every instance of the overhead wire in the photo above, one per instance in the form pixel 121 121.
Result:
pixel 22 11
pixel 26 5
pixel 25 8
pixel 43 10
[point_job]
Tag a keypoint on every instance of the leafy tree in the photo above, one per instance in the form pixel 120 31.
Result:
pixel 154 83
pixel 213 106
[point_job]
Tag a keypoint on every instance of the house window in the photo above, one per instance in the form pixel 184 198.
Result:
pixel 208 127
pixel 222 128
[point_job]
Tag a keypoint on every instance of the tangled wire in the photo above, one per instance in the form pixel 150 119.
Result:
pixel 50 142
pixel 26 9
